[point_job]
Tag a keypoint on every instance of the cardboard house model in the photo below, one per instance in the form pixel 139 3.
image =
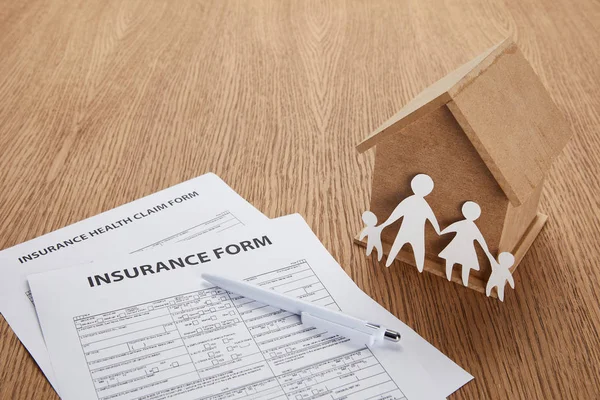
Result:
pixel 487 132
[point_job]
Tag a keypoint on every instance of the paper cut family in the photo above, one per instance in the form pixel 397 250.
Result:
pixel 415 212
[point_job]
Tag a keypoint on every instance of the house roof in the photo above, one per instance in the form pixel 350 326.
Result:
pixel 504 110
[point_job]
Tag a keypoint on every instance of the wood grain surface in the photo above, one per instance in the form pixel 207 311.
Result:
pixel 102 102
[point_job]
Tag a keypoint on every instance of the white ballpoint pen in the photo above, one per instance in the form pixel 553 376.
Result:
pixel 355 329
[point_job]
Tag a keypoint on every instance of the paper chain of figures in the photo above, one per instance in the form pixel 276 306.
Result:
pixel 415 212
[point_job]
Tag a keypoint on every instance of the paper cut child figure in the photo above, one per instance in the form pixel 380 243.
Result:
pixel 500 274
pixel 461 250
pixel 415 212
pixel 373 233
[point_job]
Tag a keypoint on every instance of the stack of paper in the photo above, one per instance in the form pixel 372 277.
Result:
pixel 125 314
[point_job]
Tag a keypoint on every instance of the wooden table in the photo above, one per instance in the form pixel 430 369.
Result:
pixel 102 102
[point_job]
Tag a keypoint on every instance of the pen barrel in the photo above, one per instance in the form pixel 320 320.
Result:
pixel 355 336
pixel 298 306
pixel 292 304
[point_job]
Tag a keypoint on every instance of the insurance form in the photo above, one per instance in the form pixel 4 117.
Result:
pixel 146 326
pixel 199 207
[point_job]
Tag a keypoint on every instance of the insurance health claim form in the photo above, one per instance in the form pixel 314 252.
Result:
pixel 202 206
pixel 114 331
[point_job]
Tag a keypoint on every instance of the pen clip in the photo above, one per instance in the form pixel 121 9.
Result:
pixel 354 335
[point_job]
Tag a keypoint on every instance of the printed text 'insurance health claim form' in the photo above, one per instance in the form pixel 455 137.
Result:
pixel 116 332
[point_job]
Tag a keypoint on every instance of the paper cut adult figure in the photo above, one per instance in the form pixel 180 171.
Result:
pixel 500 274
pixel 415 213
pixel 373 234
pixel 461 250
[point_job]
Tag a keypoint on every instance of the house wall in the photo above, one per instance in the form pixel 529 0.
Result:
pixel 518 219
pixel 436 145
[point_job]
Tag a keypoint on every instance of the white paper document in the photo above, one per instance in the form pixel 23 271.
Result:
pixel 146 326
pixel 199 207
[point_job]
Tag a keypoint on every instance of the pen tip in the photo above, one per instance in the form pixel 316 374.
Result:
pixel 392 335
